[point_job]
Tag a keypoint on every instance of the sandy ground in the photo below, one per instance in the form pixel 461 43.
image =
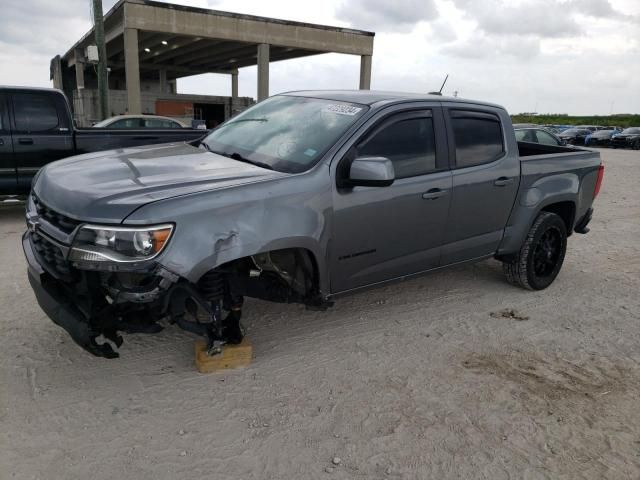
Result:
pixel 414 380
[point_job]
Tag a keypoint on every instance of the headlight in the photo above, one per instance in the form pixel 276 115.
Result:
pixel 95 243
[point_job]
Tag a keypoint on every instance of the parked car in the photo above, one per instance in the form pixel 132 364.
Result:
pixel 139 121
pixel 574 136
pixel 628 138
pixel 303 197
pixel 553 129
pixel 549 128
pixel 600 138
pixel 36 128
pixel 538 135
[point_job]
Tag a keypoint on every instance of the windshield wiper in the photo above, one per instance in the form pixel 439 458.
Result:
pixel 240 158
pixel 237 156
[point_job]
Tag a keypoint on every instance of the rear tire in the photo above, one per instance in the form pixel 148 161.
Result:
pixel 540 258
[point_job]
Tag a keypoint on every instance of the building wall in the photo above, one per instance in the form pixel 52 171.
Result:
pixel 118 82
pixel 86 107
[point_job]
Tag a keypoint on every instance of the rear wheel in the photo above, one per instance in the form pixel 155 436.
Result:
pixel 540 258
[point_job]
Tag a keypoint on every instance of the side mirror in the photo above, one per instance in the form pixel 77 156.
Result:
pixel 371 172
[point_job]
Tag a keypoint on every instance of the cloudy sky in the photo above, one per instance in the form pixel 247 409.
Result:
pixel 560 56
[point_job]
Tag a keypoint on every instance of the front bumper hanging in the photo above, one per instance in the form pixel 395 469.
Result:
pixel 63 312
pixel 129 310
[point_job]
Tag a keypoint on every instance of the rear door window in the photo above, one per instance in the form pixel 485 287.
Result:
pixel 34 112
pixel 127 123
pixel 159 123
pixel 546 138
pixel 525 136
pixel 477 136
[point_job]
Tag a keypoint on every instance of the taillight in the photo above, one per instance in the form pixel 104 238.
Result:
pixel 599 181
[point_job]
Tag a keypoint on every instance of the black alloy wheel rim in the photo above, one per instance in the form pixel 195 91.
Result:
pixel 547 253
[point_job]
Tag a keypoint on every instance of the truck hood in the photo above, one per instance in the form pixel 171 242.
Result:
pixel 108 186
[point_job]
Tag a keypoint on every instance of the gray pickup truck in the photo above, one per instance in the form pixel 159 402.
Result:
pixel 301 198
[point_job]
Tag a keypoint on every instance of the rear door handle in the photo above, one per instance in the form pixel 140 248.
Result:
pixel 25 141
pixel 502 181
pixel 433 194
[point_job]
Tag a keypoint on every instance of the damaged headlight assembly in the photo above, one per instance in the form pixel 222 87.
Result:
pixel 98 243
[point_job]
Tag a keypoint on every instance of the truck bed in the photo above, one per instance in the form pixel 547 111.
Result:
pixel 548 168
pixel 528 149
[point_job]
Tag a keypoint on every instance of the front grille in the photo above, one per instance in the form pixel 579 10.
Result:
pixel 50 255
pixel 64 223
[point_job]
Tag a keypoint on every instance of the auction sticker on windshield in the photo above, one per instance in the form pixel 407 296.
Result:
pixel 342 109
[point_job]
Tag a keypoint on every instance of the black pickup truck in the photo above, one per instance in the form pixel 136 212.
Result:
pixel 36 128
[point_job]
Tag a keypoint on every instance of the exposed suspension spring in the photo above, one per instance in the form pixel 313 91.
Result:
pixel 212 285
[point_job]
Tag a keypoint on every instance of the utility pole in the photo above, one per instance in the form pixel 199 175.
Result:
pixel 103 86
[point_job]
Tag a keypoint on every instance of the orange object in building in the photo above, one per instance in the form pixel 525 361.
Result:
pixel 174 108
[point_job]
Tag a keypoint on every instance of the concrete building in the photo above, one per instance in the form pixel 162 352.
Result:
pixel 151 44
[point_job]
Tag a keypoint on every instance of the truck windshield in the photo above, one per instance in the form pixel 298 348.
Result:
pixel 285 133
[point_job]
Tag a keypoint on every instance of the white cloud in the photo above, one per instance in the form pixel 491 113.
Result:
pixel 441 31
pixel 546 18
pixel 573 56
pixel 385 15
pixel 482 47
pixel 543 18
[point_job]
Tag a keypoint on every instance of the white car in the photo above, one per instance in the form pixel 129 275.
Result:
pixel 139 121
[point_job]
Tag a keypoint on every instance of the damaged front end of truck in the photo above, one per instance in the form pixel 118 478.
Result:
pixel 97 281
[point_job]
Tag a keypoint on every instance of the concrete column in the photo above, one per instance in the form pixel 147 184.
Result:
pixel 163 81
pixel 234 84
pixel 78 97
pixel 365 72
pixel 79 58
pixel 132 71
pixel 56 72
pixel 263 71
pixel 173 86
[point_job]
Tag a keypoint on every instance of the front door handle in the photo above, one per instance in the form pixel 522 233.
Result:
pixel 25 141
pixel 1 142
pixel 433 194
pixel 502 181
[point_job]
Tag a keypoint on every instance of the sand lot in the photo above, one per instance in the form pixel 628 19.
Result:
pixel 415 381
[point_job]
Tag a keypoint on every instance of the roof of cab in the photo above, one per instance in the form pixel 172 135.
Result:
pixel 371 97
pixel 115 118
pixel 18 88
